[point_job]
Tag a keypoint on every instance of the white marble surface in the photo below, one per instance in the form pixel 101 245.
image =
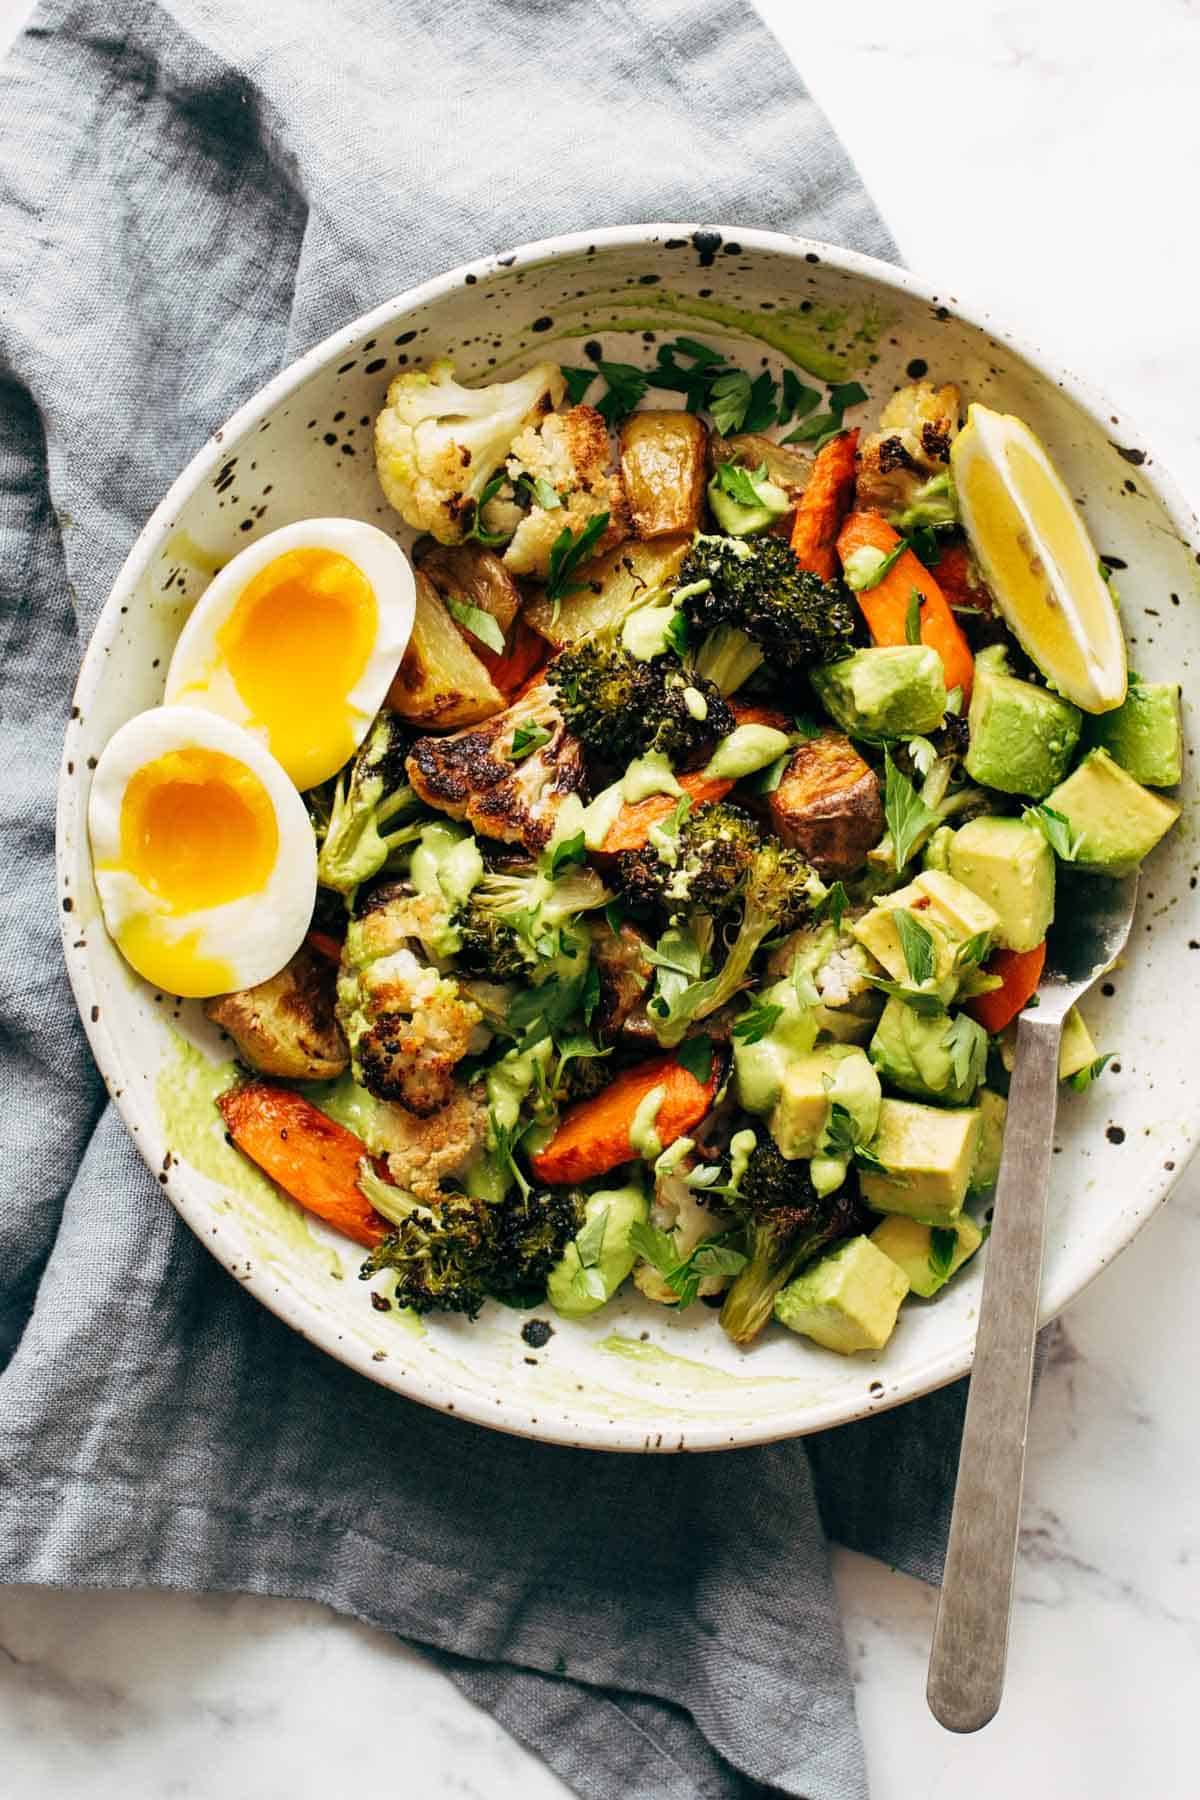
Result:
pixel 1044 156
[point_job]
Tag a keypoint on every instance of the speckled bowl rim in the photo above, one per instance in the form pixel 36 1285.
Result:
pixel 922 1378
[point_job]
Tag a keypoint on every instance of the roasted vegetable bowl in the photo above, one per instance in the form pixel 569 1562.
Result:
pixel 558 931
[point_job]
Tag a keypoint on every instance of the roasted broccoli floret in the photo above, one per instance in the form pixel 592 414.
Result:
pixel 516 920
pixel 620 707
pixel 373 794
pixel 438 443
pixel 407 1026
pixel 702 865
pixel 756 585
pixel 455 1252
pixel 786 1224
pixel 727 658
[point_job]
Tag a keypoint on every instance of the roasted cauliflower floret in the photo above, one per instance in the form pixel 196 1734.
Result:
pixel 408 1027
pixel 688 1218
pixel 286 1026
pixel 438 443
pixel 570 452
pixel 506 777
pixel 422 1153
pixel 912 444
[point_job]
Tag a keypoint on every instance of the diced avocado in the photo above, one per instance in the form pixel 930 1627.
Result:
pixel 836 1074
pixel 1144 734
pixel 947 909
pixel 931 1057
pixel 1076 1050
pixel 1115 819
pixel 1011 866
pixel 928 1152
pixel 895 691
pixel 913 1248
pixel 742 518
pixel 599 1256
pixel 1022 737
pixel 759 1067
pixel 936 854
pixel 993 1110
pixel 847 1300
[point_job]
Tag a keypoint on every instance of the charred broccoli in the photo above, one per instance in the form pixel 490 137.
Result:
pixel 756 586
pixel 786 1224
pixel 452 1254
pixel 620 707
pixel 373 794
pixel 702 865
pixel 512 922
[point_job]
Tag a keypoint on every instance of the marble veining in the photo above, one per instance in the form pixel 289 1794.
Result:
pixel 1050 185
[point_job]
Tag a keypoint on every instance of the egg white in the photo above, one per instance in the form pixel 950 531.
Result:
pixel 252 936
pixel 198 676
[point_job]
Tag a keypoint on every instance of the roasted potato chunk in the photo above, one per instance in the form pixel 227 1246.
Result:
pixel 625 975
pixel 441 681
pixel 286 1026
pixel 828 806
pixel 613 585
pixel 664 464
pixel 787 466
pixel 472 573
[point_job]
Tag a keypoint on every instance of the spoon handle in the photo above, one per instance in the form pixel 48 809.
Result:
pixel 970 1637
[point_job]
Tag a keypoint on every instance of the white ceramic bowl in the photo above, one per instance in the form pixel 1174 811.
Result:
pixel 635 1378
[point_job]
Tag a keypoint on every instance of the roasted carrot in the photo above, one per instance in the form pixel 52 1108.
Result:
pixel 748 714
pixel 523 655
pixel 312 1158
pixel 1019 971
pixel 959 579
pixel 885 606
pixel 630 830
pixel 593 1135
pixel 823 506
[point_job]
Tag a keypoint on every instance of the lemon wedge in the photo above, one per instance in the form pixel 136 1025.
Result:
pixel 1028 538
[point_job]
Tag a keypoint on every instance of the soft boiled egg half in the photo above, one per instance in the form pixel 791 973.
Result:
pixel 297 639
pixel 203 852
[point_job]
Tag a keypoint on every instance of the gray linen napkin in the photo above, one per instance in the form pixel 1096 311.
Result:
pixel 191 193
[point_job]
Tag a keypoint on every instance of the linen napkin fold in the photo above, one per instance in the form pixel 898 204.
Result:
pixel 190 194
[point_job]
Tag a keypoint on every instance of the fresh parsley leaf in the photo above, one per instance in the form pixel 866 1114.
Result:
pixel 569 551
pixel 768 779
pixel 565 851
pixel 654 1246
pixel 796 401
pixel 477 529
pixel 1082 1079
pixel 480 624
pixel 833 905
pixel 526 739
pixel 843 1138
pixel 703 353
pixel 587 1280
pixel 677 634
pixel 967 1044
pixel 578 382
pixel 695 1054
pixel 804 727
pixel 973 950
pixel 846 394
pixel 503 1142
pixel 921 1000
pixel 757 1022
pixel 760 410
pixel 925 545
pixel 626 390
pixel 817 426
pixel 869 575
pixel 866 1158
pixel 916 946
pixel 922 753
pixel 912 618
pixel 712 1256
pixel 614 914
pixel 729 399
pixel 740 483
pixel 908 817
pixel 1055 829
pixel 942 1245
pixel 538 491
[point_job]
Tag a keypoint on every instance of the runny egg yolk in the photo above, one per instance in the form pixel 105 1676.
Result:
pixel 197 829
pixel 296 645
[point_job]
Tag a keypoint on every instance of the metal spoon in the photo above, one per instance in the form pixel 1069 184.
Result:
pixel 970 1637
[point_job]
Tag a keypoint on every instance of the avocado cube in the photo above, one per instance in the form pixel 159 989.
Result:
pixel 927 1153
pixel 931 1057
pixel 847 1300
pixel 1022 737
pixel 1076 1049
pixel 1116 820
pixel 811 1084
pixel 895 691
pixel 985 1170
pixel 1010 866
pixel 1144 734
pixel 911 1247
pixel 950 912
